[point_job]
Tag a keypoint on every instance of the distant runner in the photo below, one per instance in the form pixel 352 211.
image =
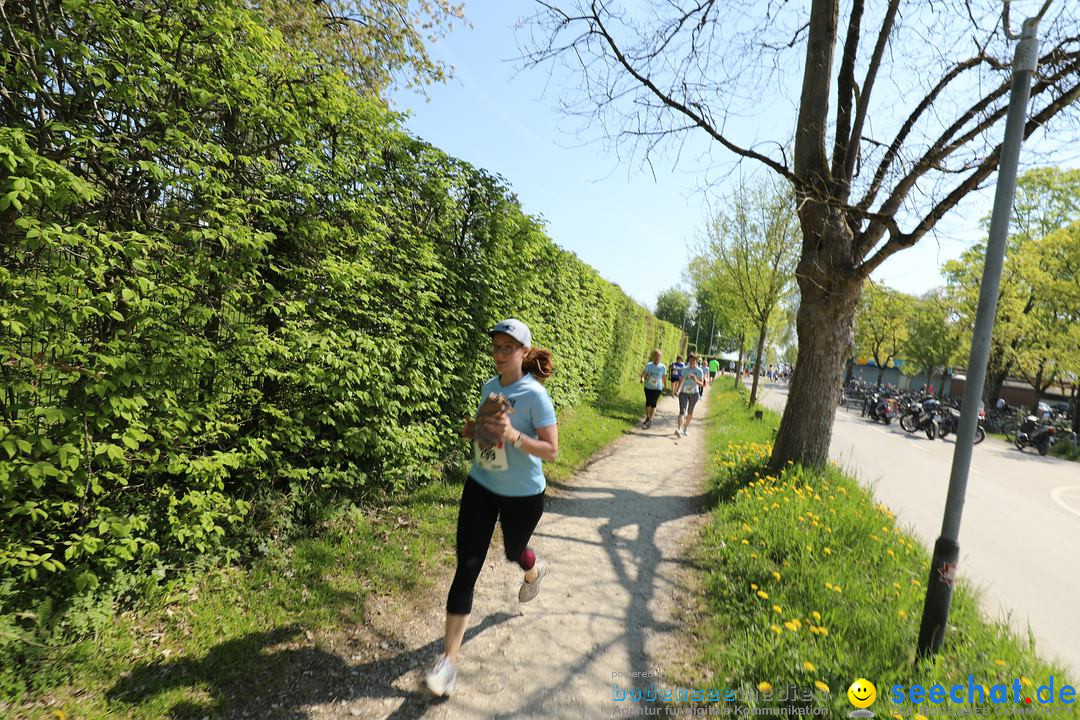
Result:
pixel 655 378
pixel 689 392
pixel 676 374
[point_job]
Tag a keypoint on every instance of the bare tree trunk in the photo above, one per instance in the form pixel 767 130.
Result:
pixel 830 291
pixel 757 363
pixel 996 374
pixel 1038 392
pixel 880 374
pixel 738 365
pixel 1076 408
pixel 941 385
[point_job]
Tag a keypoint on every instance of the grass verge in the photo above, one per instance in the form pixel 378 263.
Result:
pixel 811 585
pixel 228 632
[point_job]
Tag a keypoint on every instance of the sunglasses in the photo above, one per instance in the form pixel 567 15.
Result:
pixel 504 349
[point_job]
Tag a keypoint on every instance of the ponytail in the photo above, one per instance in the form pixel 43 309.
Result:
pixel 537 363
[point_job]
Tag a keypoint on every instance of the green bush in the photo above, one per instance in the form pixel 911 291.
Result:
pixel 234 292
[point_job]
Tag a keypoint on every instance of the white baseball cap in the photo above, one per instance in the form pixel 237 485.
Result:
pixel 515 329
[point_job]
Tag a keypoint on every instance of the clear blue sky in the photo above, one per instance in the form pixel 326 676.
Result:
pixel 636 230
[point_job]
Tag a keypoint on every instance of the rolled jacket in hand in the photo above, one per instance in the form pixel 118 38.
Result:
pixel 494 405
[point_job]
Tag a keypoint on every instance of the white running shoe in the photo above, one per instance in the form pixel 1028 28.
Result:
pixel 442 680
pixel 529 590
pixel 684 433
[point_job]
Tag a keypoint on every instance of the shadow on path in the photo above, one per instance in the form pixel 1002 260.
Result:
pixel 284 677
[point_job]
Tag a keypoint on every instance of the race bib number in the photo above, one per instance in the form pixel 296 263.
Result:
pixel 493 458
pixel 652 382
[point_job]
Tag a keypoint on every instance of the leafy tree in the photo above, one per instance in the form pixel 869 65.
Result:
pixel 651 78
pixel 673 306
pixel 753 247
pixel 933 340
pixel 881 325
pixel 1047 199
pixel 1050 349
pixel 374 41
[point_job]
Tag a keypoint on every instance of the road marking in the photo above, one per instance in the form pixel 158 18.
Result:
pixel 1062 495
pixel 977 472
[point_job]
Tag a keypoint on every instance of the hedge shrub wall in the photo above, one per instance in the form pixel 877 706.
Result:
pixel 230 284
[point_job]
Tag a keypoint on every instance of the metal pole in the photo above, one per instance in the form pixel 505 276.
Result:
pixel 697 330
pixel 712 332
pixel 947 549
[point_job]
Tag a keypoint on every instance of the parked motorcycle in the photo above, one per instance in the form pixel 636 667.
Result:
pixel 950 423
pixel 1035 433
pixel 923 415
pixel 880 407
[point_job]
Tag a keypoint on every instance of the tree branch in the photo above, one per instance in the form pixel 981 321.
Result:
pixel 853 146
pixel 983 171
pixel 845 89
pixel 697 118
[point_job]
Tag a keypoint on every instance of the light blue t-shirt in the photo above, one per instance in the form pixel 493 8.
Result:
pixel 654 376
pixel 688 375
pixel 506 470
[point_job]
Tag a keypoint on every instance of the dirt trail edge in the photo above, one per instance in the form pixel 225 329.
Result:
pixel 615 537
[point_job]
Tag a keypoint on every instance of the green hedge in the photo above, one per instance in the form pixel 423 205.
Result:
pixel 233 291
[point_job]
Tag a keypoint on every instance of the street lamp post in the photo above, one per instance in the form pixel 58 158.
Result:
pixel 947 549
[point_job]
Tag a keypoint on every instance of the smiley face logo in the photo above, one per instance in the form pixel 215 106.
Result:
pixel 862 693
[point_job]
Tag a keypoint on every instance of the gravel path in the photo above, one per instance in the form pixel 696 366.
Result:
pixel 615 538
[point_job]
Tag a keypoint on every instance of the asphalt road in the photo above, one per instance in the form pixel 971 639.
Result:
pixel 1020 532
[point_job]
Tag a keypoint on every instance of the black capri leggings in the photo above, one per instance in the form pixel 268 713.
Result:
pixel 476 523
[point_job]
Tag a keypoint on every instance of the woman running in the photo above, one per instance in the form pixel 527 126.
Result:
pixel 689 392
pixel 506 482
pixel 655 378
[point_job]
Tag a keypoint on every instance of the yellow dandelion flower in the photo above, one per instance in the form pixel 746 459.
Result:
pixel 809 666
pixel 764 687
pixel 902 614
pixel 776 575
pixel 776 629
pixel 753 586
pixel 790 625
pixel 890 553
pixel 763 595
pixel 821 686
pixel 999 661
pixel 777 610
pixel 1026 681
pixel 838 589
pixel 896 585
pixel 828 586
pixel 745 541
pixel 827 551
pixel 920 717
pixel 816 615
